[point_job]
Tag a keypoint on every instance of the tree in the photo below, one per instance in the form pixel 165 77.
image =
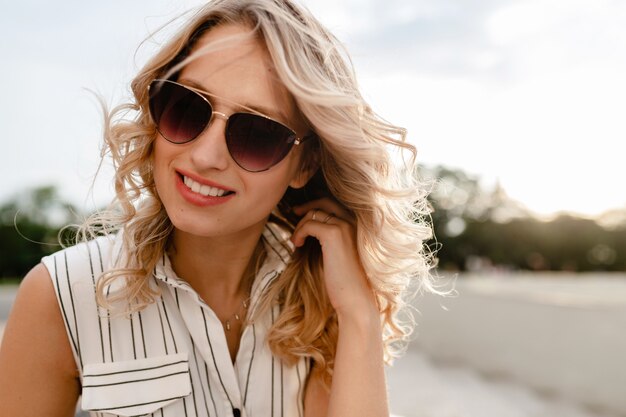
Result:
pixel 29 226
pixel 472 223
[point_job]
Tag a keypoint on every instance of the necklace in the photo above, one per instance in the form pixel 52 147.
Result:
pixel 237 315
pixel 249 274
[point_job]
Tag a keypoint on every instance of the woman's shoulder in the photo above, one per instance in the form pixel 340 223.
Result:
pixel 36 356
pixel 89 258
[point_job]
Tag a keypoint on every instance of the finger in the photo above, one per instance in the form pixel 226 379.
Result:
pixel 329 206
pixel 323 232
pixel 328 217
pixel 321 216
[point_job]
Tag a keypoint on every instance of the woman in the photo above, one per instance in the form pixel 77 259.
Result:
pixel 255 258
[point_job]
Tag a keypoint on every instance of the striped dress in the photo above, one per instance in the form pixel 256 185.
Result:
pixel 171 359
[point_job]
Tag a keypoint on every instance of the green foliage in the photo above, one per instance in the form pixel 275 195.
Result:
pixel 473 228
pixel 29 225
pixel 472 224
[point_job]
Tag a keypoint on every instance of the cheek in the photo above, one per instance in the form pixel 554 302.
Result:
pixel 161 156
pixel 269 189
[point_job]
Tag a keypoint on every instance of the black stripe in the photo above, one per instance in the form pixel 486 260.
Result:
pixel 195 357
pixel 116 264
pixel 274 250
pixel 245 396
pixel 193 391
pixel 135 370
pixel 93 281
pixel 69 284
pixel 67 323
pixel 272 368
pixel 109 326
pixel 137 405
pixel 162 328
pixel 132 334
pixel 134 380
pixel 298 399
pixel 281 243
pixel 167 279
pixel 185 405
pixel 206 329
pixel 269 281
pixel 143 339
pixel 282 381
pixel 99 255
pixel 167 318
pixel 208 381
pixel 187 396
pixel 100 317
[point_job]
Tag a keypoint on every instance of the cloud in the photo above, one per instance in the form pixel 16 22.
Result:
pixel 445 37
pixel 491 86
pixel 530 92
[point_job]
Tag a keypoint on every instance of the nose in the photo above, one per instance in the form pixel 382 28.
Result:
pixel 209 150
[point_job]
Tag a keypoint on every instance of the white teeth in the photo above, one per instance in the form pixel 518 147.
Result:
pixel 205 190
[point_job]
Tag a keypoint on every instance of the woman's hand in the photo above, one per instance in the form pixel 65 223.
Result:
pixel 334 227
pixel 359 355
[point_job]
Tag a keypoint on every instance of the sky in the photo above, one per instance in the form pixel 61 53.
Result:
pixel 530 94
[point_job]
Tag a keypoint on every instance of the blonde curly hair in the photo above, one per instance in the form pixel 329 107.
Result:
pixel 357 167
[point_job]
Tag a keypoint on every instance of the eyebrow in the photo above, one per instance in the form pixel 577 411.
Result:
pixel 261 110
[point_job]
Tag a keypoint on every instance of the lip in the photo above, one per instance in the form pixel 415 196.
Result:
pixel 203 180
pixel 199 199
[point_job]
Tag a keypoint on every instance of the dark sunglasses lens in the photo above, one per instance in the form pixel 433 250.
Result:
pixel 257 143
pixel 179 113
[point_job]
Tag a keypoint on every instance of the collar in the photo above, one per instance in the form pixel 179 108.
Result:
pixel 278 248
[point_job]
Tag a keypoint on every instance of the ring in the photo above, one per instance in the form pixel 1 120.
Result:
pixel 314 213
pixel 331 215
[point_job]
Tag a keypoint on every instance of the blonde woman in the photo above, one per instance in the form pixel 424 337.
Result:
pixel 257 252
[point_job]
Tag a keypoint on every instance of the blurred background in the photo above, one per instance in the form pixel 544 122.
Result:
pixel 517 111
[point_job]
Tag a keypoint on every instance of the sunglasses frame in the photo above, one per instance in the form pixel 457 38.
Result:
pixel 204 94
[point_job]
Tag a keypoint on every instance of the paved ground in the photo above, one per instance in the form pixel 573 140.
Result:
pixel 418 387
pixel 7 294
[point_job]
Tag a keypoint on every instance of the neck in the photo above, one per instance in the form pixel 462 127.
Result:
pixel 222 267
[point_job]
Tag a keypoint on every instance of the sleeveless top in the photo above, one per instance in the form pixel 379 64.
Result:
pixel 171 359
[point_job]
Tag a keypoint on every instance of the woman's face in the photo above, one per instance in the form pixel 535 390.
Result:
pixel 243 74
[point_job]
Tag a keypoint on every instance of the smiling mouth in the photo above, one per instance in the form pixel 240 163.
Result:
pixel 203 189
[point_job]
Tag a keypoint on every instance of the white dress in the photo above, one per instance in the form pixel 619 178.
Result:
pixel 171 359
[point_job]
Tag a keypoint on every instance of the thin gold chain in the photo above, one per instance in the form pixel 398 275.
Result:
pixel 237 316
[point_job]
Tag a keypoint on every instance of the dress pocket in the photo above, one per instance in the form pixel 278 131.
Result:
pixel 135 387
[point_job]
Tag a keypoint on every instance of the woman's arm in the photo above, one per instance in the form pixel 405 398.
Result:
pixel 358 387
pixel 38 375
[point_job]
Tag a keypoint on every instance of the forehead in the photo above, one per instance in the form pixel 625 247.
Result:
pixel 232 63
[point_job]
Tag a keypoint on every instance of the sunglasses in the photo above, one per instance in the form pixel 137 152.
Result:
pixel 255 142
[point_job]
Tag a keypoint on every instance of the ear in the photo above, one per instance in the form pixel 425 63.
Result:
pixel 308 167
pixel 304 174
